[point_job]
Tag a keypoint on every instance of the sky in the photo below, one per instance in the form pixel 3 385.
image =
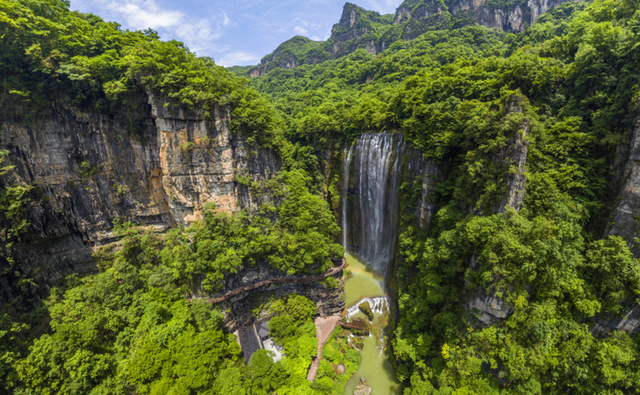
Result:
pixel 237 32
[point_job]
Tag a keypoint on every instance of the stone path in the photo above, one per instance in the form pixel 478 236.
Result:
pixel 324 328
pixel 237 291
pixel 249 341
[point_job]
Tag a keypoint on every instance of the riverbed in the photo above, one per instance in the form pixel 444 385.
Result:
pixel 375 367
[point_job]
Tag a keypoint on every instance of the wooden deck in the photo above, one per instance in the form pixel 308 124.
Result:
pixel 358 325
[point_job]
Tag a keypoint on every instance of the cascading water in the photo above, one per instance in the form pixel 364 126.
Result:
pixel 378 305
pixel 345 186
pixel 369 230
pixel 378 160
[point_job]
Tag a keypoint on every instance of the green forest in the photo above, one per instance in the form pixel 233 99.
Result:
pixel 134 328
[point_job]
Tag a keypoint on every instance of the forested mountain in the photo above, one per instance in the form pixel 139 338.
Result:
pixel 141 185
pixel 368 30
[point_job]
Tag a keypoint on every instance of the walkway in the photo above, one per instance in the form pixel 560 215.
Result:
pixel 249 341
pixel 324 327
pixel 335 270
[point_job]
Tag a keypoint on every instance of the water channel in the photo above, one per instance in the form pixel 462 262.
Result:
pixel 375 367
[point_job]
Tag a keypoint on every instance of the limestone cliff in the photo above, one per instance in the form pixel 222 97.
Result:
pixel 250 306
pixel 623 221
pixel 153 163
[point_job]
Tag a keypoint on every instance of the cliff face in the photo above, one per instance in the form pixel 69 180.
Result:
pixel 153 164
pixel 248 307
pixel 623 220
pixel 514 16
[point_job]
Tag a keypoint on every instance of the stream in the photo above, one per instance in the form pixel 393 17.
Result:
pixel 375 366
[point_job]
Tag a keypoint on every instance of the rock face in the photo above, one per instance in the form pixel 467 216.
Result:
pixel 623 220
pixel 485 305
pixel 153 164
pixel 629 323
pixel 244 309
pixel 427 174
pixel 514 17
pixel 515 156
pixel 487 308
pixel 362 388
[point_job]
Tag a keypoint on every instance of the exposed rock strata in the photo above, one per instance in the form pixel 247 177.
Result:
pixel 624 221
pixel 239 309
pixel 427 173
pixel 514 156
pixel 484 304
pixel 630 323
pixel 153 164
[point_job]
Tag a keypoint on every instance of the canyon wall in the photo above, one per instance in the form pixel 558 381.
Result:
pixel 152 163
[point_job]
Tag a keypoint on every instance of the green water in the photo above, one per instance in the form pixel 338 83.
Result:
pixel 375 367
pixel 363 282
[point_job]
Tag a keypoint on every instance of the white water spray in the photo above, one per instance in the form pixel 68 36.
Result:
pixel 377 155
pixel 378 304
pixel 345 187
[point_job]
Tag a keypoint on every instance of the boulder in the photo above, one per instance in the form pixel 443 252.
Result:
pixel 362 388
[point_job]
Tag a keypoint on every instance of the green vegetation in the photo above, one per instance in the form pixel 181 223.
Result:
pixel 130 329
pixel 568 86
pixel 296 237
pixel 459 96
pixel 48 49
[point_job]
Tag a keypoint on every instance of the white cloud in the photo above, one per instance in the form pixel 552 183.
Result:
pixel 301 31
pixel 384 6
pixel 315 38
pixel 235 58
pixel 142 14
pixel 198 33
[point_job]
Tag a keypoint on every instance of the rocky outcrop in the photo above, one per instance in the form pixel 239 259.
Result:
pixel 246 308
pixel 152 163
pixel 512 17
pixel 629 323
pixel 362 388
pixel 515 157
pixel 484 304
pixel 624 219
pixel 487 308
pixel 428 174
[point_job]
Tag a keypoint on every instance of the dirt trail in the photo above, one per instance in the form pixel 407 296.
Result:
pixel 324 327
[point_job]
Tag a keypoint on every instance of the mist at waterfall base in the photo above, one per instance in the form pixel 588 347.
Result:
pixel 373 195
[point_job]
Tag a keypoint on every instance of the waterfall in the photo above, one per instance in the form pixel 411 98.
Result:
pixel 378 304
pixel 377 155
pixel 345 187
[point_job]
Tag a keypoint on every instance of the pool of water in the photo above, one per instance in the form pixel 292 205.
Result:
pixel 375 367
pixel 363 282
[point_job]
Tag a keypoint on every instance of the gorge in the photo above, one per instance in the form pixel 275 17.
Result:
pixel 473 163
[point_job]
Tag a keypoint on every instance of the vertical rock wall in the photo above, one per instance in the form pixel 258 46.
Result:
pixel 153 164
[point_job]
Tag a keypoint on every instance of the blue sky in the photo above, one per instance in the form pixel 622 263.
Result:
pixel 232 32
